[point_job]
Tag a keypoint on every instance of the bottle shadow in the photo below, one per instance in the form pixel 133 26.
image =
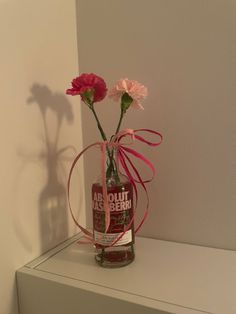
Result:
pixel 53 218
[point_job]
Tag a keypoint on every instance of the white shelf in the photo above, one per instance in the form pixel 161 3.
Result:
pixel 166 277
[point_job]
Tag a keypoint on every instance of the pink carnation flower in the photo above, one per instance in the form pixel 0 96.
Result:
pixel 135 90
pixel 87 82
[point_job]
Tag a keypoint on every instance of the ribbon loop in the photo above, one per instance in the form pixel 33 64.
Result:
pixel 127 165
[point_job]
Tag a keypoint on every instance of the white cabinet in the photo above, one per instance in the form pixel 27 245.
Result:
pixel 166 277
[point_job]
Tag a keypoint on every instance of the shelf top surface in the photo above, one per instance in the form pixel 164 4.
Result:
pixel 193 277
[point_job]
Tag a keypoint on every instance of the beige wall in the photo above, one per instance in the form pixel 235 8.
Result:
pixel 184 51
pixel 38 59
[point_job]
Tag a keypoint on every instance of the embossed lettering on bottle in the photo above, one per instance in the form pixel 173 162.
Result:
pixel 120 200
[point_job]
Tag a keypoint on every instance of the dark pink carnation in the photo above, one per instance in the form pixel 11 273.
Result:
pixel 87 82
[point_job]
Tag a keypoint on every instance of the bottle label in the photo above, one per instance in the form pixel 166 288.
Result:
pixel 105 239
pixel 120 200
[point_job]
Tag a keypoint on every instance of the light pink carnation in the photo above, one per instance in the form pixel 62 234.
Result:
pixel 135 90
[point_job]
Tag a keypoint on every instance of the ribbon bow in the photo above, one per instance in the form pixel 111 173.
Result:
pixel 123 154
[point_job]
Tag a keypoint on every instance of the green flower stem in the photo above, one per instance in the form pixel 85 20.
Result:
pixel 126 101
pixel 110 167
pixel 99 124
pixel 119 123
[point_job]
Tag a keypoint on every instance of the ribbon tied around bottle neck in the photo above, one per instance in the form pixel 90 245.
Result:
pixel 125 154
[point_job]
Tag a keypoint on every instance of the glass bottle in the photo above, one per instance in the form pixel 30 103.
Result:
pixel 120 198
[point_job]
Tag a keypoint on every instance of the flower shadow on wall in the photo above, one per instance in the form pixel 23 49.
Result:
pixel 52 199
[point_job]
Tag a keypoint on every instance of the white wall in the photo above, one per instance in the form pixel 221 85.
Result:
pixel 184 51
pixel 38 58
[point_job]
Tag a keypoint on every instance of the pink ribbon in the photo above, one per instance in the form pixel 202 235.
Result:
pixel 123 152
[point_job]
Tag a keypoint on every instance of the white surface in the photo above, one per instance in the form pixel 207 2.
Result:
pixel 185 53
pixel 39 50
pixel 166 276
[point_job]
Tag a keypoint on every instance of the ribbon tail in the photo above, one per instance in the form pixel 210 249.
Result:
pixel 146 161
pixel 84 230
pixel 122 161
pixel 104 187
pixel 143 186
pixel 142 158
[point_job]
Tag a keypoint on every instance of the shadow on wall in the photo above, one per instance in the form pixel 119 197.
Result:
pixel 52 199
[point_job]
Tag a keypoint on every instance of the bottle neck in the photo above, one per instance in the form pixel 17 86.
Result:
pixel 112 164
pixel 113 176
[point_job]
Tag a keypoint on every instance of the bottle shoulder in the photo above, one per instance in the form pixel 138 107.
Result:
pixel 113 180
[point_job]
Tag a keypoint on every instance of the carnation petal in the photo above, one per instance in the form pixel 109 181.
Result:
pixel 72 92
pixel 137 105
pixel 135 90
pixel 88 81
